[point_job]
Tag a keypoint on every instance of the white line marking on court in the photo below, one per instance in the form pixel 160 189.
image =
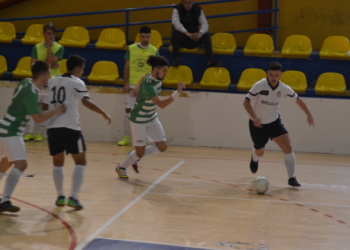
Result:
pixel 246 199
pixel 126 208
pixel 303 185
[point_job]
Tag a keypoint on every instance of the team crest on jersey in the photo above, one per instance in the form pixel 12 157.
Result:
pixel 139 63
pixel 279 93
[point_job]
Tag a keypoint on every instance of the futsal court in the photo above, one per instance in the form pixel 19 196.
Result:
pixel 185 198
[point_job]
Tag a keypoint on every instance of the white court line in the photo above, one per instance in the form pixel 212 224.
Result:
pixel 126 208
pixel 303 185
pixel 246 199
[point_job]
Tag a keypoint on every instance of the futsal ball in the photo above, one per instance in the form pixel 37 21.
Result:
pixel 261 184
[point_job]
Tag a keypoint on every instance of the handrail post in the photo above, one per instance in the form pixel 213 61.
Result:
pixel 127 26
pixel 275 25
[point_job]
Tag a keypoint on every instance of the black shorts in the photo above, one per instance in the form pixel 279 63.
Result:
pixel 261 136
pixel 65 139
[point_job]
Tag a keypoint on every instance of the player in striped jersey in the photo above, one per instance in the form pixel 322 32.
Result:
pixel 262 103
pixel 12 149
pixel 143 116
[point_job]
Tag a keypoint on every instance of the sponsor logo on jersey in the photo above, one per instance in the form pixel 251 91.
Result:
pixel 269 103
pixel 264 92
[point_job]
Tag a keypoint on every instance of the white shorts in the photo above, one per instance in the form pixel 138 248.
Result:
pixel 153 130
pixel 13 148
pixel 44 96
pixel 129 98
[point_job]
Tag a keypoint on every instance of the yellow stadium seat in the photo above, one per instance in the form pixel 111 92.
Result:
pixel 215 78
pixel 104 72
pixel 34 34
pixel 7 32
pixel 335 47
pixel 23 69
pixel 184 50
pixel 330 83
pixel 63 66
pixel 3 65
pixel 259 45
pixel 223 43
pixel 297 46
pixel 295 79
pixel 75 36
pixel 156 39
pixel 249 77
pixel 178 74
pixel 111 38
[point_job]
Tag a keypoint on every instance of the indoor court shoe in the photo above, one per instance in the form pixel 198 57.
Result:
pixel 214 64
pixel 8 207
pixel 74 203
pixel 125 141
pixel 293 182
pixel 61 201
pixel 254 165
pixel 28 137
pixel 121 172
pixel 38 138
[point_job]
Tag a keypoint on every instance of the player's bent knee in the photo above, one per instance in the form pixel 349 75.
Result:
pixel 163 148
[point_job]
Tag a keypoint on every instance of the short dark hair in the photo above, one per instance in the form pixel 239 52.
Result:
pixel 145 30
pixel 49 26
pixel 39 68
pixel 74 61
pixel 274 66
pixel 157 61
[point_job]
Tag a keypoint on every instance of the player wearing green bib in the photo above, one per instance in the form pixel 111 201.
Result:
pixel 12 149
pixel 52 53
pixel 143 116
pixel 135 68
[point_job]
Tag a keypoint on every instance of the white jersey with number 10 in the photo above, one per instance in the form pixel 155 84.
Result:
pixel 69 90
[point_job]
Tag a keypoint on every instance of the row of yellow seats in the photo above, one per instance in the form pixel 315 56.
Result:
pixel 327 83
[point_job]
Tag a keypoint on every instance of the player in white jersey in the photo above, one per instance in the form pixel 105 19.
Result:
pixel 261 103
pixel 64 133
pixel 143 116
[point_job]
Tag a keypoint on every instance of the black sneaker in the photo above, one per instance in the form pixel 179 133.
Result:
pixel 293 182
pixel 8 207
pixel 214 64
pixel 254 165
pixel 176 62
pixel 74 203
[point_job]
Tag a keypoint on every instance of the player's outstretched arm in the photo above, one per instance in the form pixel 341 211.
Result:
pixel 39 118
pixel 163 103
pixel 302 105
pixel 250 111
pixel 93 106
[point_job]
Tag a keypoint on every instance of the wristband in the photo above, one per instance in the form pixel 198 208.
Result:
pixel 175 95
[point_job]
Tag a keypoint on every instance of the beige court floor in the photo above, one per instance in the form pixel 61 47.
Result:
pixel 188 196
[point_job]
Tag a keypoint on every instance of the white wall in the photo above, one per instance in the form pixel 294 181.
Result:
pixel 218 120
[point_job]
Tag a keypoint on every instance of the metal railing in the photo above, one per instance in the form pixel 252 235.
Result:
pixel 127 23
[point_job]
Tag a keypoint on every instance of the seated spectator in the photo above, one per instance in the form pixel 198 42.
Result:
pixel 186 19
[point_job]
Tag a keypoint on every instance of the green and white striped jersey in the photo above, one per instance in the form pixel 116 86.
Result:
pixel 144 109
pixel 24 102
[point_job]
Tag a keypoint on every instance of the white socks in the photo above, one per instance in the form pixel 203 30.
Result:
pixel 30 125
pixel 77 180
pixel 255 157
pixel 11 182
pixel 42 127
pixel 151 150
pixel 289 160
pixel 58 178
pixel 132 157
pixel 126 124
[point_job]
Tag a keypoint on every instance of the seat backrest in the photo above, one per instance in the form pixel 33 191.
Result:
pixel 7 32
pixel 76 33
pixel 297 43
pixel 105 68
pixel 294 79
pixel 3 65
pixel 336 44
pixel 156 39
pixel 34 33
pixel 251 76
pixel 223 41
pixel 331 82
pixel 217 75
pixel 63 66
pixel 112 35
pixel 259 42
pixel 180 73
